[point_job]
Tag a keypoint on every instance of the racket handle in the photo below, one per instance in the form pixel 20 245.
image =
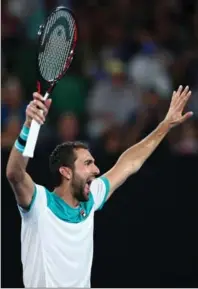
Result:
pixel 32 139
pixel 33 136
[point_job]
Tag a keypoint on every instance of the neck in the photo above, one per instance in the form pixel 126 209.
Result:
pixel 64 192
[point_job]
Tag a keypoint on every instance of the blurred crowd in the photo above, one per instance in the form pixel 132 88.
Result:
pixel 131 55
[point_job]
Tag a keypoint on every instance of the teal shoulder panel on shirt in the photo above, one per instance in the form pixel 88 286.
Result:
pixel 66 213
pixel 107 185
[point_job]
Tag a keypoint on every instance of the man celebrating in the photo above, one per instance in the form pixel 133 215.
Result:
pixel 57 227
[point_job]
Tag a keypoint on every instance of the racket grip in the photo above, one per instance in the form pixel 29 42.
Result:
pixel 33 136
pixel 32 139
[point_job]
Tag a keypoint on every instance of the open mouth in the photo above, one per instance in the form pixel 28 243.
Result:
pixel 88 184
pixel 89 180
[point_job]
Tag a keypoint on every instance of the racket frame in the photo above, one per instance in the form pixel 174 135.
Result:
pixel 53 83
pixel 35 126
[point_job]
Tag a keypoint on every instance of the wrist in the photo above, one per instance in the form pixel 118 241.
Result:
pixel 166 125
pixel 27 123
pixel 20 143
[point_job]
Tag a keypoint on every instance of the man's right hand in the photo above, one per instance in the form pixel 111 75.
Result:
pixel 37 109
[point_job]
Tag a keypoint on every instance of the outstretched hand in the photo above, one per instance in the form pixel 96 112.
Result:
pixel 175 114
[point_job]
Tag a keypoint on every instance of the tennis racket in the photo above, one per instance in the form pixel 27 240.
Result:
pixel 57 42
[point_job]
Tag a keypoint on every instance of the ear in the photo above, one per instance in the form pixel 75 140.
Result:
pixel 66 172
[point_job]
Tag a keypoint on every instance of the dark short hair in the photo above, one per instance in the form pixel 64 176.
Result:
pixel 64 155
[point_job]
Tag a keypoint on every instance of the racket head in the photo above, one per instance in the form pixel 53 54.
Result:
pixel 57 39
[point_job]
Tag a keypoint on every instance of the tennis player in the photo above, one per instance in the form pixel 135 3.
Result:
pixel 57 227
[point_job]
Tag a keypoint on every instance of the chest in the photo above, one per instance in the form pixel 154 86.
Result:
pixel 66 236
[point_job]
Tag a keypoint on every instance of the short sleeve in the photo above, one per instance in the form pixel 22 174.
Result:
pixel 100 189
pixel 37 205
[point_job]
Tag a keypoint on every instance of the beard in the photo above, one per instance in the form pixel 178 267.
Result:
pixel 78 188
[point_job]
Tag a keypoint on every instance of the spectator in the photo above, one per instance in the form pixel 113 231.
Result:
pixel 68 127
pixel 69 96
pixel 112 100
pixel 12 101
pixel 148 68
pixel 12 111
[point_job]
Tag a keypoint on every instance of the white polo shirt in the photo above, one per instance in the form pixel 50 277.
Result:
pixel 57 240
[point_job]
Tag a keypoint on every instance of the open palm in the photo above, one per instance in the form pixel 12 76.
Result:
pixel 175 114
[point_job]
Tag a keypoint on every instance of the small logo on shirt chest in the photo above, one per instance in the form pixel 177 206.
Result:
pixel 82 213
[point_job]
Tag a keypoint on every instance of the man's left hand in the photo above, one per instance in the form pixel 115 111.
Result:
pixel 175 114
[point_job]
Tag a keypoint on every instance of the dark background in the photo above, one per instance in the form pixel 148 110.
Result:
pixel 147 233
pixel 145 236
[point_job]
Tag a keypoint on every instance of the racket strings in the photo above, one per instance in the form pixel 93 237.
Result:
pixel 50 66
pixel 55 67
pixel 53 59
pixel 71 26
pixel 72 30
pixel 42 57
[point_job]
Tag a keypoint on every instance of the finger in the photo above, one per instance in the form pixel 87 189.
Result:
pixel 186 116
pixel 38 96
pixel 176 95
pixel 40 105
pixel 48 103
pixel 179 90
pixel 39 114
pixel 184 100
pixel 181 99
pixel 173 97
pixel 36 114
pixel 185 92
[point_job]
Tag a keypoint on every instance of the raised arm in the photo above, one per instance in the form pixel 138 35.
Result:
pixel 21 183
pixel 134 157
